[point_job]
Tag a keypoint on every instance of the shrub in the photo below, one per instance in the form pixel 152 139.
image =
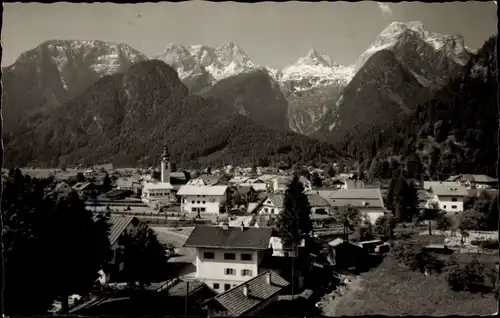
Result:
pixel 472 276
pixel 412 255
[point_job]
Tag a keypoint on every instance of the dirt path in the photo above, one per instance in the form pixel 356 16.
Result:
pixel 329 307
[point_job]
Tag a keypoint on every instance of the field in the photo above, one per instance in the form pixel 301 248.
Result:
pixel 391 289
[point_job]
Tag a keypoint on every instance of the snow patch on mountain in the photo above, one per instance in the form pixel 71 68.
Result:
pixel 317 69
pixel 221 62
pixel 453 45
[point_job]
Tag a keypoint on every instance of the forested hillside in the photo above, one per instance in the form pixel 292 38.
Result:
pixel 454 132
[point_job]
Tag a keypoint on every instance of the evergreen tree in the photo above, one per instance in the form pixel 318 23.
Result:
pixel 106 183
pixel 294 222
pixel 52 245
pixel 372 170
pixel 80 177
pixel 144 257
pixel 316 180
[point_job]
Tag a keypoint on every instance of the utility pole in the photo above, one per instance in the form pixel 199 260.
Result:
pixel 186 299
pixel 293 275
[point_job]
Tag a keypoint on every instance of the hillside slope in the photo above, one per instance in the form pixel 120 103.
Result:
pixel 381 93
pixel 126 118
pixel 255 95
pixel 456 131
pixel 55 71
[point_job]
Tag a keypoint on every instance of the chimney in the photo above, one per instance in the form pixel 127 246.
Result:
pixel 242 226
pixel 245 290
pixel 268 278
pixel 225 225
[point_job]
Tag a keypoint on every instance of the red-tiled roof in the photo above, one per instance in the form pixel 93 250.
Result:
pixel 259 291
pixel 232 237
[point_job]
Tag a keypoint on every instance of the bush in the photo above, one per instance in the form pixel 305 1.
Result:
pixel 472 276
pixel 412 255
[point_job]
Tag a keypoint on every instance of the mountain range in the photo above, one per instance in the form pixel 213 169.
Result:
pixel 404 67
pixel 127 117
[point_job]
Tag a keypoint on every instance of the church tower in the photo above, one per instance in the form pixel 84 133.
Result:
pixel 165 166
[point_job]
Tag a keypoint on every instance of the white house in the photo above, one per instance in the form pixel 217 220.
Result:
pixel 279 184
pixel 202 199
pixel 153 192
pixel 273 204
pixel 449 198
pixel 228 256
pixel 368 201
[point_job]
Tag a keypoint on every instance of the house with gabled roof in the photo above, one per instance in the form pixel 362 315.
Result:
pixel 273 204
pixel 248 298
pixel 120 225
pixel 228 256
pixel 449 198
pixel 368 201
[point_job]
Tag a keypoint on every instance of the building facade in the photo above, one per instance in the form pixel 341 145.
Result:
pixel 202 199
pixel 228 256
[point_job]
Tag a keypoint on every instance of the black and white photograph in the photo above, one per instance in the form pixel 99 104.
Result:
pixel 272 159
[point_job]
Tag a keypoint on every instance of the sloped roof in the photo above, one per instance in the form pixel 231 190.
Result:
pixel 181 288
pixel 209 179
pixel 356 197
pixel 316 200
pixel 444 190
pixel 481 178
pixel 259 291
pixel 118 224
pixel 243 190
pixel 276 199
pixel 430 184
pixel 127 182
pixel 202 190
pixel 232 237
pixel 157 186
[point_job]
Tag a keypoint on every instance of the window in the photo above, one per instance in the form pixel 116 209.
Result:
pixel 246 257
pixel 192 202
pixel 227 287
pixel 453 206
pixel 444 206
pixel 454 199
pixel 272 210
pixel 230 256
pixel 216 286
pixel 265 210
pixel 185 201
pixel 198 202
pixel 246 272
pixel 230 271
pixel 202 209
pixel 193 209
pixel 208 255
pixel 203 202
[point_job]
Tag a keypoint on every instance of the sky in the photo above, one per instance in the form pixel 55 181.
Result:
pixel 272 34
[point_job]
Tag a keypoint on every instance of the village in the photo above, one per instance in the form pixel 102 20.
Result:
pixel 226 256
